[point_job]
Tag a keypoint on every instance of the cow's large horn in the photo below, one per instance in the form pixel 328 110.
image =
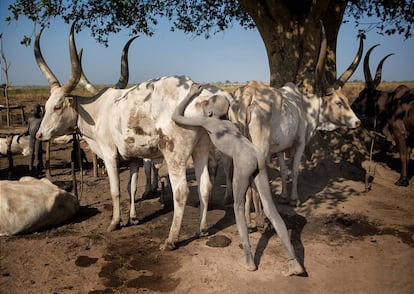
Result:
pixel 44 68
pixel 123 80
pixel 83 81
pixel 74 60
pixel 320 83
pixel 378 73
pixel 367 71
pixel 351 69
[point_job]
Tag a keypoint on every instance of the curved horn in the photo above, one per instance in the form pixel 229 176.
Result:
pixel 351 69
pixel 367 71
pixel 44 68
pixel 320 66
pixel 83 81
pixel 123 80
pixel 378 73
pixel 75 63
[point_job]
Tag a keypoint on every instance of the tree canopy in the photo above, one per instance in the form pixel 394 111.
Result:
pixel 289 28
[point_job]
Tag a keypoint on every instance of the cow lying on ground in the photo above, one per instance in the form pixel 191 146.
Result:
pixel 248 163
pixel 30 204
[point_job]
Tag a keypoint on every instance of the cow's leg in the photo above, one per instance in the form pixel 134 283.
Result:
pixel 155 176
pixel 400 139
pixel 200 160
pixel 228 172
pixel 240 184
pixel 132 190
pixel 31 153
pixel 269 208
pixel 247 207
pixel 111 165
pixel 284 175
pixel 149 191
pixel 177 174
pixel 258 209
pixel 298 152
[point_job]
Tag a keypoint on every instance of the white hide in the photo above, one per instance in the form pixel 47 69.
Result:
pixel 277 120
pixel 136 123
pixel 30 204
pixel 21 147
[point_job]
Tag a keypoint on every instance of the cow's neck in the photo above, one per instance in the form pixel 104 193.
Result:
pixel 86 109
pixel 313 108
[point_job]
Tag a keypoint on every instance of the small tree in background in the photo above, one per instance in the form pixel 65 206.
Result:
pixel 5 67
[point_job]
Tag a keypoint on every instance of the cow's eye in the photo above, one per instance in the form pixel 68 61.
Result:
pixel 57 107
pixel 339 104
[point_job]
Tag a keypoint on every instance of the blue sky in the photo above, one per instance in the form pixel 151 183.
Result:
pixel 236 55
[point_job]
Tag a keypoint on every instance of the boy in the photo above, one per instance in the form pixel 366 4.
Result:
pixel 248 163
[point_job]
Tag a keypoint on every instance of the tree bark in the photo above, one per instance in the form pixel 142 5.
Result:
pixel 291 32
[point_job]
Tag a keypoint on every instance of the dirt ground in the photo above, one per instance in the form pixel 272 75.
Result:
pixel 349 240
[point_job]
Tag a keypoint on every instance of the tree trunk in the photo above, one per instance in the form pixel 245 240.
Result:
pixel 291 32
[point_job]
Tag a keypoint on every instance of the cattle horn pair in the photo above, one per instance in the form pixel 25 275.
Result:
pixel 321 84
pixel 123 80
pixel 369 82
pixel 77 75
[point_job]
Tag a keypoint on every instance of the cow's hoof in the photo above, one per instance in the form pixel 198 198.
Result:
pixel 403 182
pixel 252 229
pixel 202 233
pixel 113 227
pixel 248 263
pixel 294 268
pixel 133 221
pixel 168 246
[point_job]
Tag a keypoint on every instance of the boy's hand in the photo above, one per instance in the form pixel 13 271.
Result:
pixel 196 89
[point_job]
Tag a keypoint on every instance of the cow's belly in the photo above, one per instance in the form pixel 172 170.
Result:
pixel 139 146
pixel 283 137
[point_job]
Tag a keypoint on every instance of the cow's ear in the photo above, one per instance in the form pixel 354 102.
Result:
pixel 206 110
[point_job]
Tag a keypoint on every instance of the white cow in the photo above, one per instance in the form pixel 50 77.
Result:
pixel 151 168
pixel 132 123
pixel 30 204
pixel 277 120
pixel 18 145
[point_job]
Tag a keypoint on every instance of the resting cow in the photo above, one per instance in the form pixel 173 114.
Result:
pixel 30 204
pixel 248 163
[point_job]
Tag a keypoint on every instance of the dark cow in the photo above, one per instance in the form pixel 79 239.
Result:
pixel 390 113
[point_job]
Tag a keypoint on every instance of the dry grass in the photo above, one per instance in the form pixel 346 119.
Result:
pixel 30 95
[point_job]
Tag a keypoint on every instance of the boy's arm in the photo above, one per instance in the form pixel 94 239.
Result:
pixel 178 115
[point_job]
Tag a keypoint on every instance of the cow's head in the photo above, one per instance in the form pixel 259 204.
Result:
pixel 371 101
pixel 335 110
pixel 60 116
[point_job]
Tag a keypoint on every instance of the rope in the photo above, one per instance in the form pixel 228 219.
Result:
pixel 369 177
pixel 80 163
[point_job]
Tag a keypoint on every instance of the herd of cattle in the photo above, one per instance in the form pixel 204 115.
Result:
pixel 141 126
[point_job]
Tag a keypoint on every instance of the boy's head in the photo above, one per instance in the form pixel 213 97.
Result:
pixel 36 110
pixel 217 106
